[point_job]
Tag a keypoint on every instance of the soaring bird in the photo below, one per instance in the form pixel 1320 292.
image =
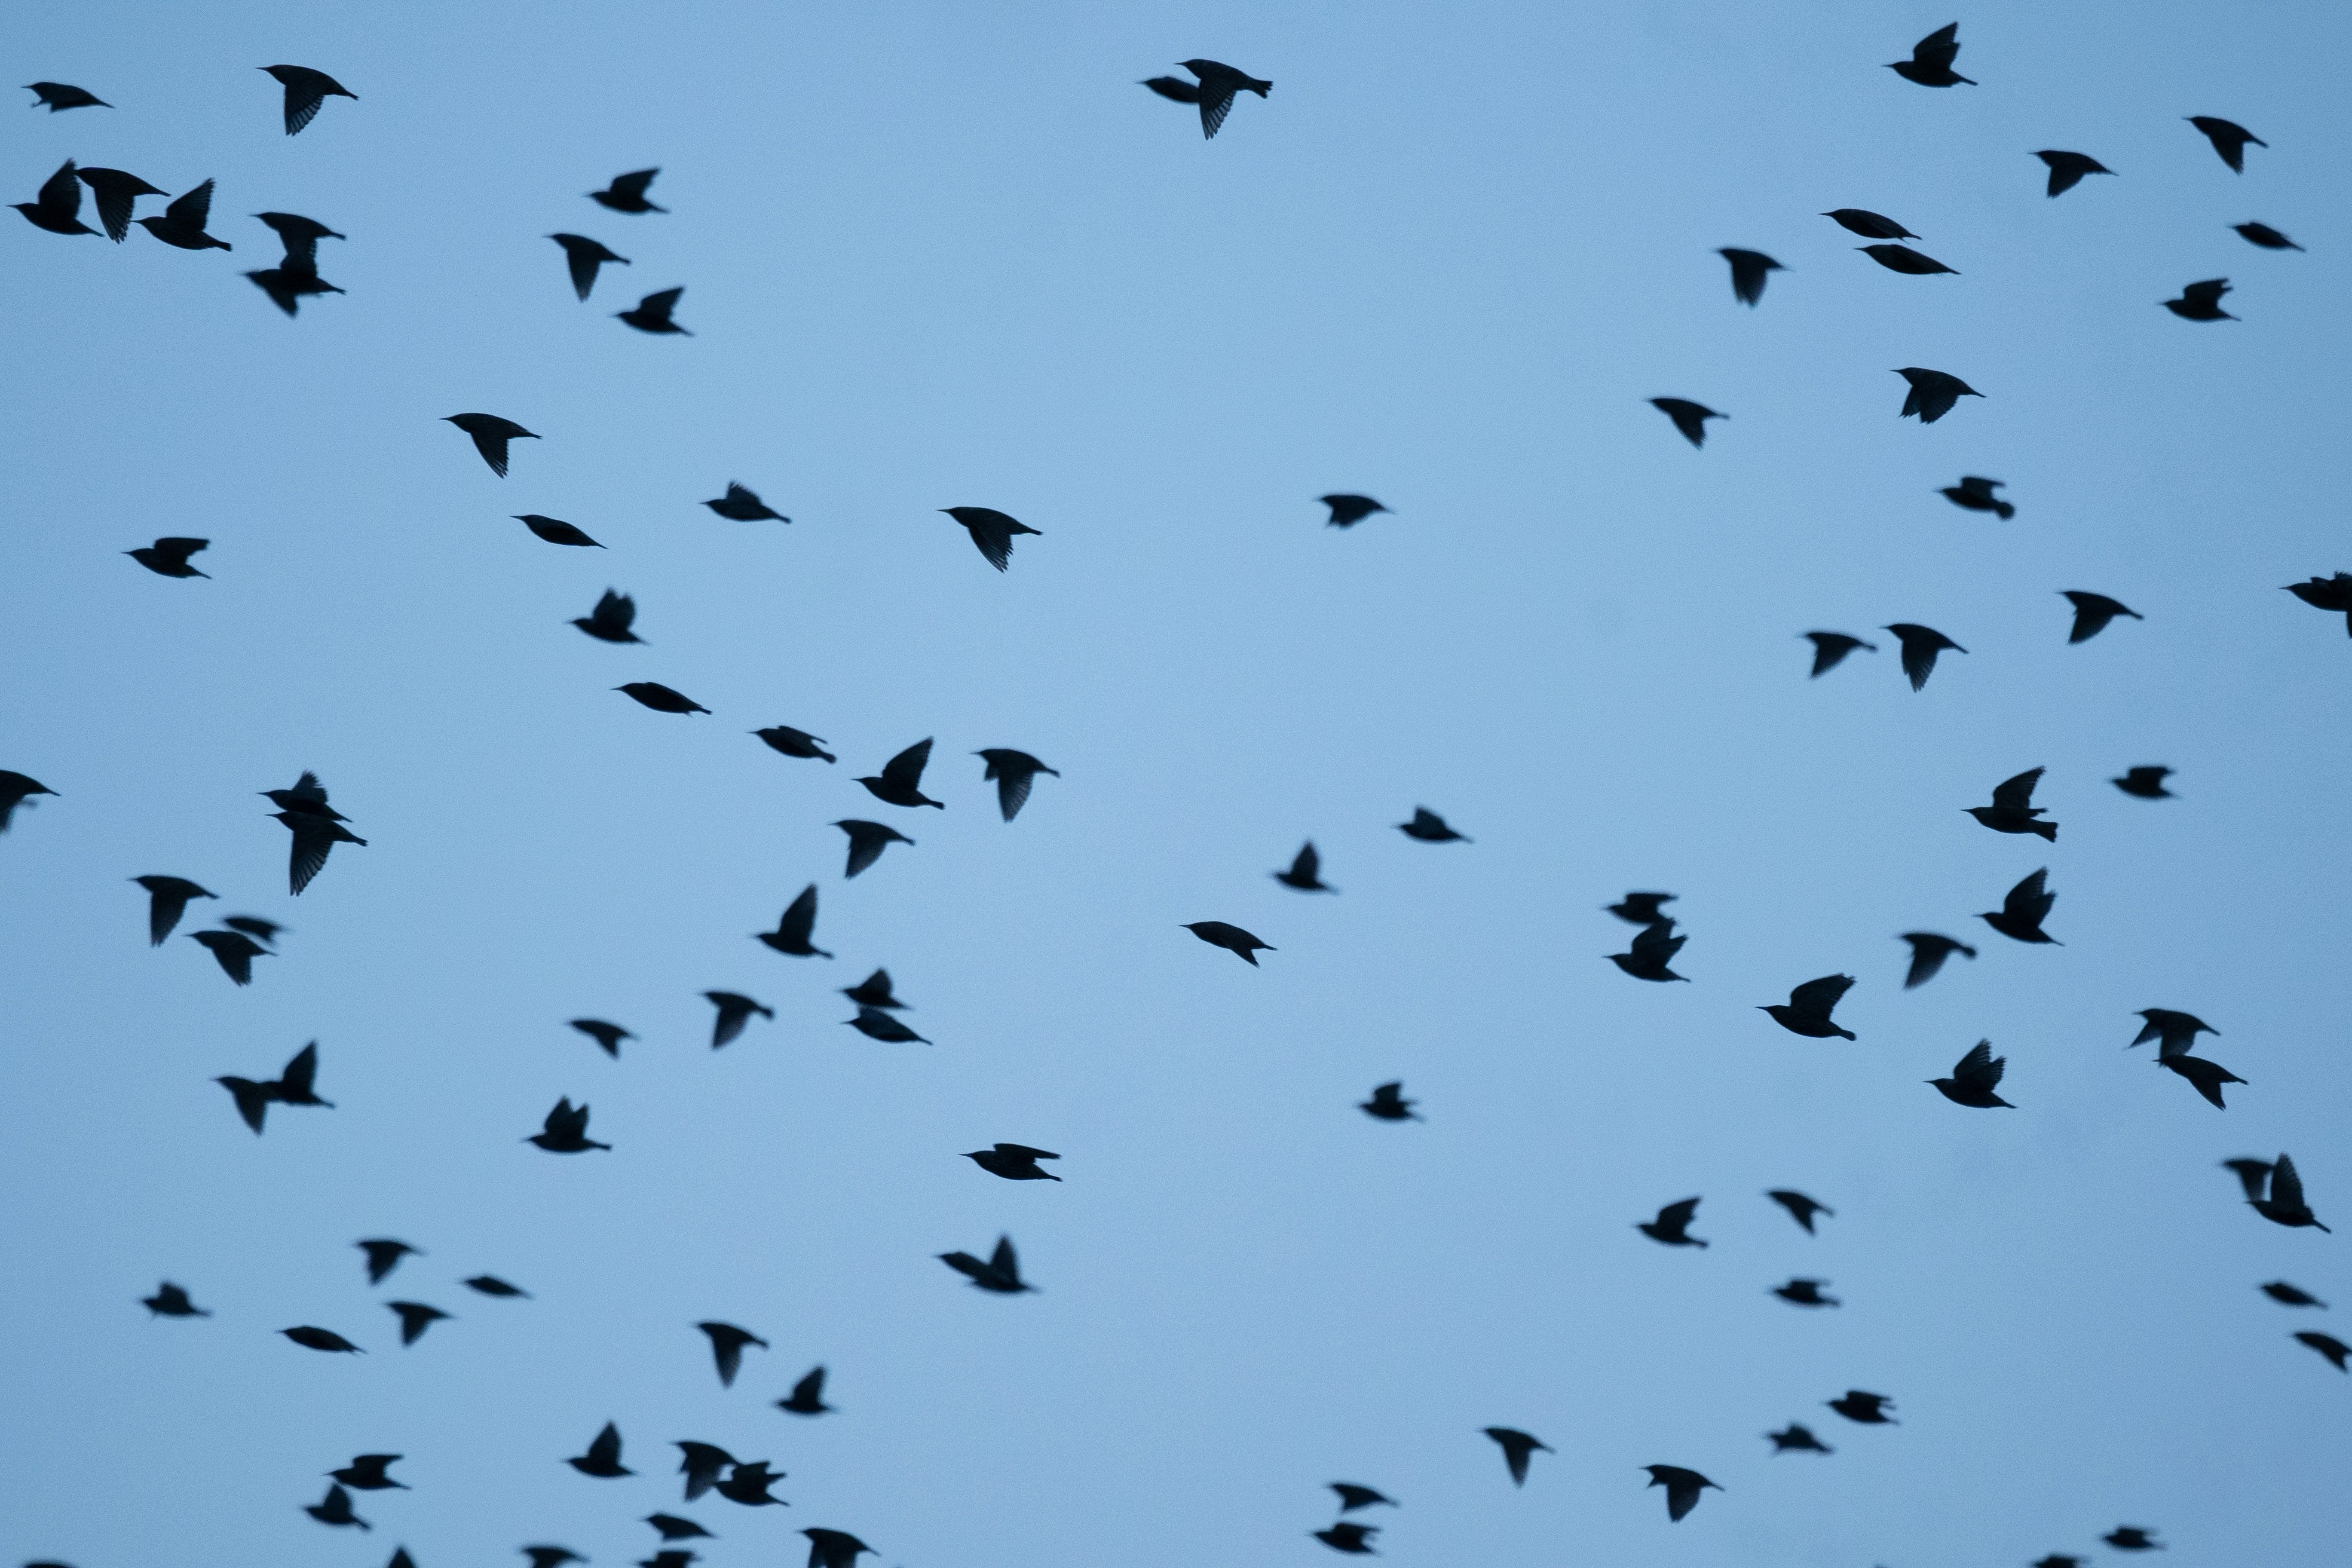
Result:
pixel 1798 1440
pixel 1517 1446
pixel 874 991
pixel 652 313
pixel 1920 647
pixel 1683 1488
pixel 1672 1227
pixel 1903 258
pixel 1867 224
pixel 1652 949
pixel 169 557
pixel 2198 301
pixel 335 1508
pixel 1348 1536
pixel 1642 909
pixel 233 951
pixel 743 504
pixel 114 191
pixel 1750 268
pixel 794 742
pixel 2278 1290
pixel 2286 1204
pixel 991 531
pixel 661 698
pixel 171 1301
pixel 367 1473
pixel 1933 394
pixel 314 835
pixel 1869 1409
pixel 1928 951
pixel 1800 1209
pixel 875 1024
pixel 808 1395
pixel 2025 909
pixel 183 223
pixel 415 1317
pixel 900 782
pixel 2067 169
pixel 555 530
pixel 1388 1104
pixel 1830 649
pixel 1974 1078
pixel 1001 1274
pixel 2092 612
pixel 735 1010
pixel 833 1547
pixel 749 1484
pixel 2228 140
pixel 1232 938
pixel 1306 872
pixel 2263 235
pixel 312 1338
pixel 702 1464
pixel 59 95
pixel 57 206
pixel 2206 1077
pixel 167 900
pixel 1347 510
pixel 306 90
pixel 583 256
pixel 2130 1538
pixel 1689 417
pixel 2012 810
pixel 1219 83
pixel 610 621
pixel 1974 493
pixel 1430 828
pixel 727 1343
pixel 867 842
pixel 1804 1293
pixel 603 1459
pixel 797 924
pixel 1807 1010
pixel 2174 1032
pixel 1014 1162
pixel 1353 1497
pixel 2145 782
pixel 16 788
pixel 1014 771
pixel 2328 1345
pixel 607 1035
pixel 383 1255
pixel 490 433
pixel 626 194
pixel 565 1130
pixel 1930 64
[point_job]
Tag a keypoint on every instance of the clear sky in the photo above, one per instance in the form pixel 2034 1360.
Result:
pixel 943 255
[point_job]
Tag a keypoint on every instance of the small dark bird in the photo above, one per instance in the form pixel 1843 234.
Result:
pixel 183 223
pixel 1974 1078
pixel 2278 1290
pixel 2174 1031
pixel 306 90
pixel 2253 1175
pixel 308 798
pixel 491 434
pixel 253 1100
pixel 603 1458
pixel 335 1508
pixel 1306 872
pixel 57 206
pixel 2146 783
pixel 2012 810
pixel 2263 235
pixel 2228 140
pixel 2022 913
pixel 727 1343
pixel 15 789
pixel 676 1558
pixel 314 835
pixel 1750 268
pixel 1015 1163
pixel 808 1394
pixel 1683 1488
pixel 794 742
pixel 1673 1225
pixel 1348 1536
pixel 2092 612
pixel 1689 417
pixel 1930 64
pixel 735 1011
pixel 874 991
pixel 797 924
pixel 296 1080
pixel 301 237
pixel 1974 493
pixel 1232 938
pixel 991 531
pixel 554 529
pixel 700 1465
pixel 1014 771
pixel 1347 510
pixel 1928 951
pixel 313 1339
pixel 1869 1409
pixel 1920 647
pixel 1903 258
pixel 651 314
pixel 749 1484
pixel 1353 1497
pixel 1001 1274
pixel 2067 169
pixel 1429 828
pixel 1869 224
pixel 59 95
pixel 1798 1440
pixel 1388 1104
pixel 1219 83
pixel 2328 1345
pixel 2286 1204
pixel 1174 88
pixel 415 1317
pixel 661 698
pixel 253 926
pixel 1653 949
pixel 626 194
pixel 551 1556
pixel 383 1256
pixel 234 951
pixel 2206 1077
pixel 2058 1559
pixel 167 900
pixel 565 1130
pixel 1643 908
pixel 2332 594
pixel 1933 394
pixel 583 256
pixel 1830 649
pixel 833 1549
pixel 2198 301
pixel 1517 1446
pixel 1800 1209
pixel 1807 1010
pixel 169 557
pixel 900 782
pixel 172 1302
pixel 1804 1293
pixel 673 1528
pixel 114 191
pixel 742 505
pixel 607 1035
pixel 365 1473
pixel 287 287
pixel 491 1285
pixel 2130 1538
pixel 875 1024
pixel 611 619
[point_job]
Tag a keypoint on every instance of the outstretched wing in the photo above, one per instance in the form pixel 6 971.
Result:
pixel 1819 996
pixel 1216 104
pixel 193 210
pixel 2016 793
pixel 799 920
pixel 905 769
pixel 2287 1186
pixel 1980 1070
pixel 631 186
pixel 2030 901
pixel 301 1072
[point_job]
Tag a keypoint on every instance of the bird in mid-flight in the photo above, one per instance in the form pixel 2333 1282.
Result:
pixel 2278 1290
pixel 1347 1535
pixel 169 557
pixel 2332 594
pixel 603 1458
pixel 491 1285
pixel 1430 828
pixel 2338 1354
pixel 1306 872
pixel 1928 951
pixel 182 226
pixel 2067 169
pixel 314 835
pixel 727 1343
pixel 796 926
pixel 991 532
pixel 490 433
pixel 1804 1293
pixel 554 529
pixel 1347 510
pixel 626 194
pixel 16 788
pixel 115 190
pixel 2025 909
pixel 2263 235
pixel 875 1024
pixel 1516 1448
pixel 807 1398
pixel 1800 1209
pixel 1014 1162
pixel 1642 909
pixel 1869 1409
pixel 1652 949
pixel 565 1130
pixel 57 206
pixel 1683 1488
pixel 1974 1078
pixel 1974 493
pixel 312 1338
pixel 1001 1274
pixel 2146 783
pixel 900 782
pixel 1920 647
pixel 287 287
pixel 2092 612
pixel 1353 1497
pixel 1232 938
pixel 59 95
pixel 652 313
pixel 1689 417
pixel 661 698
pixel 794 742
pixel 306 90
pixel 1388 1104
pixel 1903 258
pixel 583 255
pixel 1219 83
pixel 1930 64
pixel 415 1317
pixel 368 1473
pixel 383 1255
pixel 167 900
pixel 1933 394
pixel 2013 809
pixel 740 504
pixel 335 1508
pixel 611 619
pixel 1807 1010
pixel 1799 1440
pixel 1014 771
pixel 1750 268
pixel 2285 1204
pixel 1672 1227
pixel 874 991
pixel 2198 301
pixel 833 1547
pixel 1867 224
pixel 2205 1077
pixel 1830 649
pixel 233 951
pixel 2228 140
pixel 735 1011
pixel 607 1035
pixel 866 841
pixel 2174 1032
pixel 2130 1538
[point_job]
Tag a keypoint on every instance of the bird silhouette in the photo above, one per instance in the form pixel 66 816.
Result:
pixel 1219 83
pixel 1652 951
pixel 679 1558
pixel 1799 1440
pixel 311 1338
pixel 1643 908
pixel 1903 258
pixel 874 991
pixel 172 1302
pixel 1388 1104
pixel 491 434
pixel 383 1255
pixel 2328 1345
pixel 1830 649
pixel 2286 1204
pixel 2067 169
pixel 1174 88
pixel 1353 1497
pixel 183 223
pixel 1014 1162
pixel 702 1464
pixel 59 95
pixel 234 951
pixel 335 1508
pixel 875 1024
pixel 2253 1175
pixel 794 742
pixel 306 90
pixel 253 926
pixel 735 1010
pixel 1347 510
pixel 2145 782
pixel 1933 394
pixel 2198 301
pixel 2022 913
pixel 2092 612
pixel 673 1528
pixel 1683 1488
pixel 299 235
pixel 1429 828
pixel 833 1547
pixel 287 287
pixel 1800 1209
pixel 366 1473
pixel 415 1317
pixel 554 529
pixel 2332 594
pixel 167 900
pixel 2278 1290
pixel 296 1080
pixel 1869 1409
pixel 583 255
pixel 1672 1227
pixel 808 1394
pixel 900 782
pixel 2012 810
pixel 57 206
pixel 2228 140
pixel 1804 1293
pixel 797 924
pixel 114 191
pixel 1974 493
pixel 867 842
pixel 626 194
pixel 1347 1535
pixel 1750 268
pixel 169 557
pixel 1306 872
pixel 727 1343
pixel 2263 235
pixel 1232 938
pixel 742 505
pixel 253 1099
pixel 314 835
pixel 1517 1448
pixel 2174 1031
pixel 606 1036
pixel 2207 1078
pixel 610 621
pixel 749 1484
pixel 16 788
pixel 1930 64
pixel 1689 417
pixel 603 1459
pixel 565 1130
pixel 491 1285
pixel 991 531
pixel 1928 951
pixel 652 313
pixel 1920 647
pixel 1014 771
pixel 1001 1274
pixel 1867 224
pixel 2130 1538
pixel 1807 1010
pixel 661 698
pixel 1974 1078
pixel 551 1556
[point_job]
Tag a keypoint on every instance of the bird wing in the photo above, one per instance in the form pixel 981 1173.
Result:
pixel 1307 865
pixel 631 186
pixel 1013 784
pixel 1216 102
pixel 992 537
pixel 1819 996
pixel 905 769
pixel 661 302
pixel 809 1390
pixel 114 194
pixel 303 98
pixel 2286 1185
pixel 583 263
pixel 1918 660
pixel 866 840
pixel 309 855
pixel 2207 294
pixel 193 210
pixel 1004 1262
pixel 301 1072
pixel 1675 1216
pixel 2016 793
pixel 1938 49
pixel 1658 943
pixel 1022 1151
pixel 2029 901
pixel 177 550
pixel 799 919
pixel 607 1448
pixel 60 193
pixel 1979 1069
pixel 965 1263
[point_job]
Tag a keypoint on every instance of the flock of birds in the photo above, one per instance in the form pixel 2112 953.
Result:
pixel 2273 1188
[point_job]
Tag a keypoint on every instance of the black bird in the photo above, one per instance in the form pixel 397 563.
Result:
pixel 1933 394
pixel 415 1317
pixel 308 797
pixel 2146 783
pixel 2253 1175
pixel 298 1079
pixel 1347 510
pixel 1014 771
pixel 1689 417
pixel 253 1100
pixel 808 1394
pixel 608 1035
pixel 793 929
pixel 253 926
pixel 2285 1204
pixel 1749 271
pixel 2206 1077
pixel 742 505
pixel 383 1256
pixel 2129 1537
pixel 1517 1446
pixel 1015 1163
pixel 1232 938
pixel 794 742
pixel 603 1458
pixel 1001 1274
pixel 1683 1488
pixel 301 237
pixel 675 1558
pixel 1643 908
pixel 833 1547
pixel 727 1343
pixel 1920 647
pixel 1804 1293
pixel 183 223
pixel 900 782
pixel 1928 951
pixel 554 529
pixel 1974 493
pixel 114 191
pixel 2263 235
pixel 626 194
pixel 1869 224
pixel 874 991
pixel 2022 913
pixel 651 314
pixel 991 531
pixel 1930 64
pixel 490 433
pixel 2067 169
pixel 491 1285
pixel 875 1024
pixel 2332 594
pixel 1347 1536
pixel 335 1508
pixel 701 1464
pixel 1673 1225
pixel 1219 83
pixel 306 90
pixel 1807 1010
pixel 60 95
pixel 610 621
pixel 1903 258
pixel 2174 1031
pixel 1800 1209
pixel 234 951
pixel 1798 1440
pixel 1388 1104
pixel 365 1473
pixel 2092 612
pixel 287 287
pixel 673 1528
pixel 1429 828
pixel 167 900
pixel 1306 872
pixel 2278 1290
pixel 172 1302
pixel 1830 649
pixel 661 698
pixel 2328 1345
pixel 15 789
pixel 1653 949
pixel 2058 1559
pixel 1974 1078
pixel 314 835
pixel 1174 88
pixel 57 206
pixel 2012 810
pixel 2228 140
pixel 316 1339
pixel 551 1556
pixel 2198 301
pixel 735 1010
pixel 565 1130
pixel 1353 1497
pixel 1869 1409
pixel 583 256
pixel 169 557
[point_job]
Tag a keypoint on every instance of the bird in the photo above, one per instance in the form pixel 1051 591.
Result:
pixel 1800 1209
pixel 1219 83
pixel 808 1394
pixel 314 835
pixel 57 206
pixel 1671 1227
pixel 296 1080
pixel 554 529
pixel 610 621
pixel 490 433
pixel 1306 872
pixel 874 991
pixel 1903 258
pixel 306 90
pixel 2058 1559
pixel 1867 224
pixel 661 698
pixel 551 1556
pixel 603 1459
pixel 2331 594
pixel 2145 782
pixel 59 95
pixel 1869 1409
pixel 1653 949
pixel 991 531
pixel 16 788
pixel 301 237
pixel 114 191
pixel 335 1508
pixel 1014 1162
pixel 1930 64
pixel 415 1317
pixel 749 1484
pixel 794 742
pixel 1807 1010
pixel 1014 771
pixel 292 1086
pixel 2207 1078
pixel 1974 493
pixel 735 1011
pixel 2011 810
pixel 2278 1290
pixel 311 1338
pixel 253 1100
pixel 626 194
pixel 1974 1078
pixel 651 314
pixel 171 1301
pixel 1388 1104
pixel 583 256
pixel 1830 649
pixel 366 1473
pixel 383 1256
pixel 1798 1440
pixel 900 782
pixel 307 797
pixel 1920 647
pixel 183 223
pixel 1517 1448
pixel 2174 1031
pixel 2022 913
pixel 2263 235
pixel 875 1024
pixel 1642 909
pixel 727 1343
pixel 253 926
pixel 1683 1488
pixel 2067 169
pixel 1750 268
pixel 287 287
pixel 742 505
pixel 1689 417
pixel 673 1528
pixel 833 1547
pixel 1232 938
pixel 1353 1497
pixel 1347 510
pixel 1429 828
pixel 2092 612
pixel 2286 1204
pixel 2253 1175
pixel 672 1559
pixel 701 1464
pixel 169 557
pixel 234 951
pixel 2130 1538
pixel 1928 951
pixel 2198 301
pixel 167 900
pixel 797 923
pixel 1001 1274
pixel 565 1130
pixel 1347 1536
pixel 491 1285
pixel 1933 394
pixel 1174 88
pixel 2328 1345
pixel 607 1035
pixel 2228 140
pixel 1804 1293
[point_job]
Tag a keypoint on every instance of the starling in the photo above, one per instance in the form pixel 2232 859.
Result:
pixel 1974 1078
pixel 234 951
pixel 415 1317
pixel 1974 493
pixel 807 1395
pixel 1219 83
pixel 2206 1077
pixel 491 434
pixel 794 742
pixel 314 835
pixel 1306 872
pixel 749 1484
pixel 875 1024
pixel 1689 417
pixel 2012 810
pixel 1348 511
pixel 366 1473
pixel 491 1285
pixel 2146 783
pixel 1429 828
pixel 1671 1227
pixel 59 95
pixel 2130 1538
pixel 610 621
pixel 626 194
pixel 1749 271
pixel 167 900
pixel 735 1010
pixel 1869 224
pixel 2328 1345
pixel 1830 649
pixel 2198 301
pixel 306 90
pixel 1798 1440
pixel 900 782
pixel 1800 1209
pixel 14 790
pixel 1517 1446
pixel 742 505
pixel 1930 64
pixel 383 1256
pixel 1804 1293
pixel 583 256
pixel 1014 771
pixel 1353 1497
pixel 1920 647
pixel 867 842
pixel 1232 938
pixel 1174 88
pixel 172 1302
pixel 1015 1163
pixel 1001 1274
pixel 2022 913
pixel 2330 594
pixel 565 1130
pixel 2263 235
pixel 833 1547
pixel 301 237
pixel 603 1459
pixel 2230 141
pixel 253 926
pixel 114 191
pixel 335 1508
pixel 2278 1290
pixel 2253 1175
pixel 314 1339
pixel 651 314
pixel 183 223
pixel 1347 1536
pixel 1683 1488
pixel 2067 169
pixel 2174 1031
pixel 1807 1010
pixel 1869 1409
pixel 2286 1204
pixel 991 531
pixel 700 1465
pixel 554 529
pixel 1903 258
pixel 1643 908
pixel 874 991
pixel 287 287
pixel 673 1528
pixel 797 924
pixel 56 206
pixel 1933 394
pixel 551 1556
pixel 607 1035
pixel 2092 612
pixel 1388 1104
pixel 660 697
pixel 169 557
pixel 1654 948
pixel 1928 951
pixel 727 1343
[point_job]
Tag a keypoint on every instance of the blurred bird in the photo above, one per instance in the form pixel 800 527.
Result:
pixel 742 505
pixel 1974 493
pixel 415 1317
pixel 1517 1448
pixel 335 1508
pixel 1930 64
pixel 727 1343
pixel 611 619
pixel 651 314
pixel 1219 83
pixel 2022 913
pixel 1928 951
pixel 2328 1345
pixel 794 742
pixel 2253 1175
pixel 735 1010
pixel 2285 1204
pixel 183 223
pixel 2067 169
pixel 673 1559
pixel 2012 810
pixel 1306 872
pixel 1347 510
pixel 661 698
pixel 607 1035
pixel 1643 908
pixel 1388 1104
pixel 491 434
pixel 833 1549
pixel 301 237
pixel 874 991
pixel 314 835
pixel 57 206
pixel 1174 88
pixel 1014 771
pixel 2146 783
pixel 60 95
pixel 991 531
pixel 383 1256
pixel 253 926
pixel 2206 1077
pixel 1683 1488
pixel 797 924
pixel 2130 1538
pixel 626 194
pixel 167 900
pixel 2228 140
pixel 316 1339
pixel 306 90
pixel 1869 1409
pixel 900 782
pixel 2092 612
pixel 1689 417
pixel 1798 1440
pixel 875 1024
pixel 749 1484
pixel 1804 1293
pixel 287 287
pixel 2278 1290
pixel 1001 1274
pixel 1869 224
pixel 2263 235
pixel 673 1528
pixel 1347 1536
pixel 551 1556
pixel 1933 394
pixel 583 256
pixel 1671 1227
pixel 171 1302
pixel 808 1394
pixel 114 191
pixel 1807 1010
pixel 1232 938
pixel 1750 268
pixel 296 1080
pixel 1974 1078
pixel 603 1459
pixel 1903 258
pixel 491 1285
pixel 308 797
pixel 234 951
pixel 2332 594
pixel 16 788
pixel 1653 949
pixel 565 1130
pixel 1429 828
pixel 1800 1209
pixel 253 1100
pixel 1015 1163
pixel 2058 1559
pixel 2174 1031
pixel 366 1473
pixel 701 1464
pixel 2198 301
pixel 867 842
pixel 554 529
pixel 169 557
pixel 1830 649
pixel 1920 647
pixel 1353 1497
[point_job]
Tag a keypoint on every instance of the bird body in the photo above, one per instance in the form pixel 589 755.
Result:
pixel 1830 649
pixel 1348 1536
pixel 877 1025
pixel 1388 1104
pixel 608 1036
pixel 833 1547
pixel 183 223
pixel 2130 1538
pixel 1974 493
pixel 383 1256
pixel 366 1473
pixel 867 842
pixel 2067 169
pixel 1869 1409
pixel 1928 951
pixel 2337 1353
pixel 2146 783
pixel 167 900
pixel 2022 913
pixel 874 991
pixel 1807 1010
pixel 1014 771
pixel 742 505
pixel 1903 258
pixel 1933 394
pixel 1353 1497
pixel 900 782
pixel 1804 1293
pixel 1347 510
pixel 2011 810
pixel 1430 828
pixel 491 1285
pixel 306 90
pixel 565 1130
pixel 603 1459
pixel 661 698
pixel 1650 951
pixel 2092 612
pixel 798 924
pixel 2285 1204
pixel 2228 140
pixel 335 1508
pixel 702 1464
pixel 1749 270
pixel 2207 1078
pixel 171 1301
pixel 727 1343
pixel 115 190
pixel 55 208
pixel 415 1317
pixel 2198 301
pixel 626 194
pixel 1219 83
pixel 749 1484
pixel 582 257
pixel 1868 223
pixel 1930 64
pixel 1974 1078
pixel 1232 938
pixel 793 743
pixel 652 313
pixel 1015 1163
pixel 610 621
pixel 2263 235
pixel 1306 872
pixel 59 95
pixel 1689 417
pixel 1642 909
pixel 314 835
pixel 1683 1488
pixel 735 1011
pixel 2278 1290
pixel 169 557
pixel 1800 1209
pixel 311 1337
pixel 1798 1440
pixel 490 433
pixel 1920 647
pixel 999 1274
pixel 673 1528
pixel 1672 1227
pixel 234 951
pixel 555 530
pixel 1517 1448
pixel 807 1398
pixel 2174 1032
pixel 991 531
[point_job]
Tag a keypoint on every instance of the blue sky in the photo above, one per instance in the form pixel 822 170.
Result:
pixel 938 256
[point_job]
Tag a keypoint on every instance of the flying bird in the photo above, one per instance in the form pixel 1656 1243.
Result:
pixel 1683 1488
pixel 2174 1031
pixel 583 256
pixel 2328 1345
pixel 316 1339
pixel 1429 828
pixel 1232 938
pixel 744 505
pixel 2278 1290
pixel 1800 1209
pixel 701 1464
pixel 1903 258
pixel 607 1035
pixel 2146 783
pixel 298 1079
pixel 1001 1274
pixel 491 1285
pixel 749 1484
pixel 1928 951
pixel 234 951
pixel 253 1100
pixel 651 314
pixel 167 900
pixel 2228 140
pixel 1867 224
pixel 183 223
pixel 554 529
pixel 673 1528
pixel 794 742
pixel 1798 1440
pixel 383 1255
pixel 2130 1538
pixel 287 287
pixel 2067 169
pixel 59 95
pixel 306 90
pixel 808 1395
pixel 301 237
pixel 2012 810
pixel 1014 771
pixel 551 1556
pixel 1920 647
pixel 867 842
pixel 308 798
pixel 1807 1010
pixel 900 782
pixel 491 434
pixel 1750 268
pixel 1347 510
pixel 415 1317
pixel 991 531
pixel 1347 1536
pixel 1804 1293
pixel 661 698
pixel 2092 612
pixel 1642 909
pixel 171 1301
pixel 1014 1162
pixel 2263 235
pixel 1830 649
pixel 2253 1175
pixel 57 206
pixel 1933 394
pixel 1174 88
pixel 1653 949
pixel 314 835
pixel 727 1343
pixel 1517 1446
pixel 367 1473
pixel 1974 1078
pixel 874 991
pixel 16 788
pixel 335 1508
pixel 1672 1227
pixel 1974 493
pixel 2198 301
pixel 626 194
pixel 2331 594
pixel 603 1459
pixel 565 1130
pixel 1869 1409
pixel 2285 1204
pixel 875 1024
pixel 611 619
pixel 169 557
pixel 2207 1078
pixel 798 923
pixel 1306 872
pixel 1689 417
pixel 1930 64
pixel 253 926
pixel 2022 913
pixel 1219 83
pixel 114 191
pixel 833 1547
pixel 1353 1497
pixel 1388 1104
pixel 735 1010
